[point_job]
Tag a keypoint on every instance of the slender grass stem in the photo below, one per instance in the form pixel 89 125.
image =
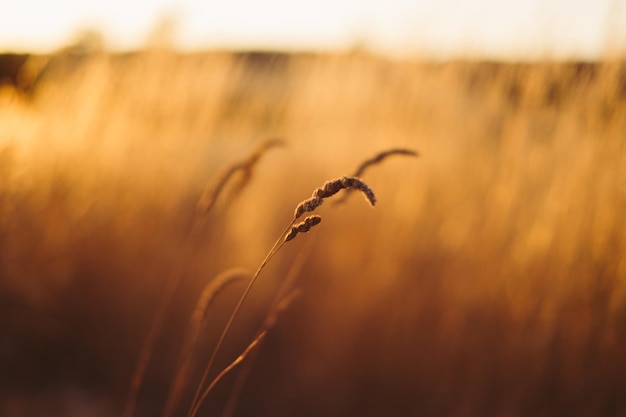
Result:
pixel 197 400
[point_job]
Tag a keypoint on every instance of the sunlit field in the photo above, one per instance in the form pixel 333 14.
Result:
pixel 488 280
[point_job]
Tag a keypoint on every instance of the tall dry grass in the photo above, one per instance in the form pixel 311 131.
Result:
pixel 489 281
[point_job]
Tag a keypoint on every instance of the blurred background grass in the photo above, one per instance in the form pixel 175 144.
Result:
pixel 490 279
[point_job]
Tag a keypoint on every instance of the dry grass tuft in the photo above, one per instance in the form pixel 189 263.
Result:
pixel 527 156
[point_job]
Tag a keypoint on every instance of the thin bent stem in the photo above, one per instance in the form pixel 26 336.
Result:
pixel 198 321
pixel 257 340
pixel 252 348
pixel 286 286
pixel 197 401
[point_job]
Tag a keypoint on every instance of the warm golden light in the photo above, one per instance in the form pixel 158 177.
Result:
pixel 426 237
pixel 521 29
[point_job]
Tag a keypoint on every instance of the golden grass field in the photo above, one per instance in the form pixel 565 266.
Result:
pixel 489 280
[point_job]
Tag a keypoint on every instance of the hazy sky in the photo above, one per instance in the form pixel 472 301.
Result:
pixel 516 28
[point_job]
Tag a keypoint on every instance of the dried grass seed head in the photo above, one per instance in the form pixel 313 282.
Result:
pixel 331 188
pixel 303 227
pixel 374 161
pixel 214 189
pixel 307 206
pixel 380 157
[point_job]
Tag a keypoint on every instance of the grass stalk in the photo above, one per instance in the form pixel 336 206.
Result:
pixel 329 189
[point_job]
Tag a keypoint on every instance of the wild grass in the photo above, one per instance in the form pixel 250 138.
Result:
pixel 187 357
pixel 329 189
pixel 489 280
pixel 205 204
